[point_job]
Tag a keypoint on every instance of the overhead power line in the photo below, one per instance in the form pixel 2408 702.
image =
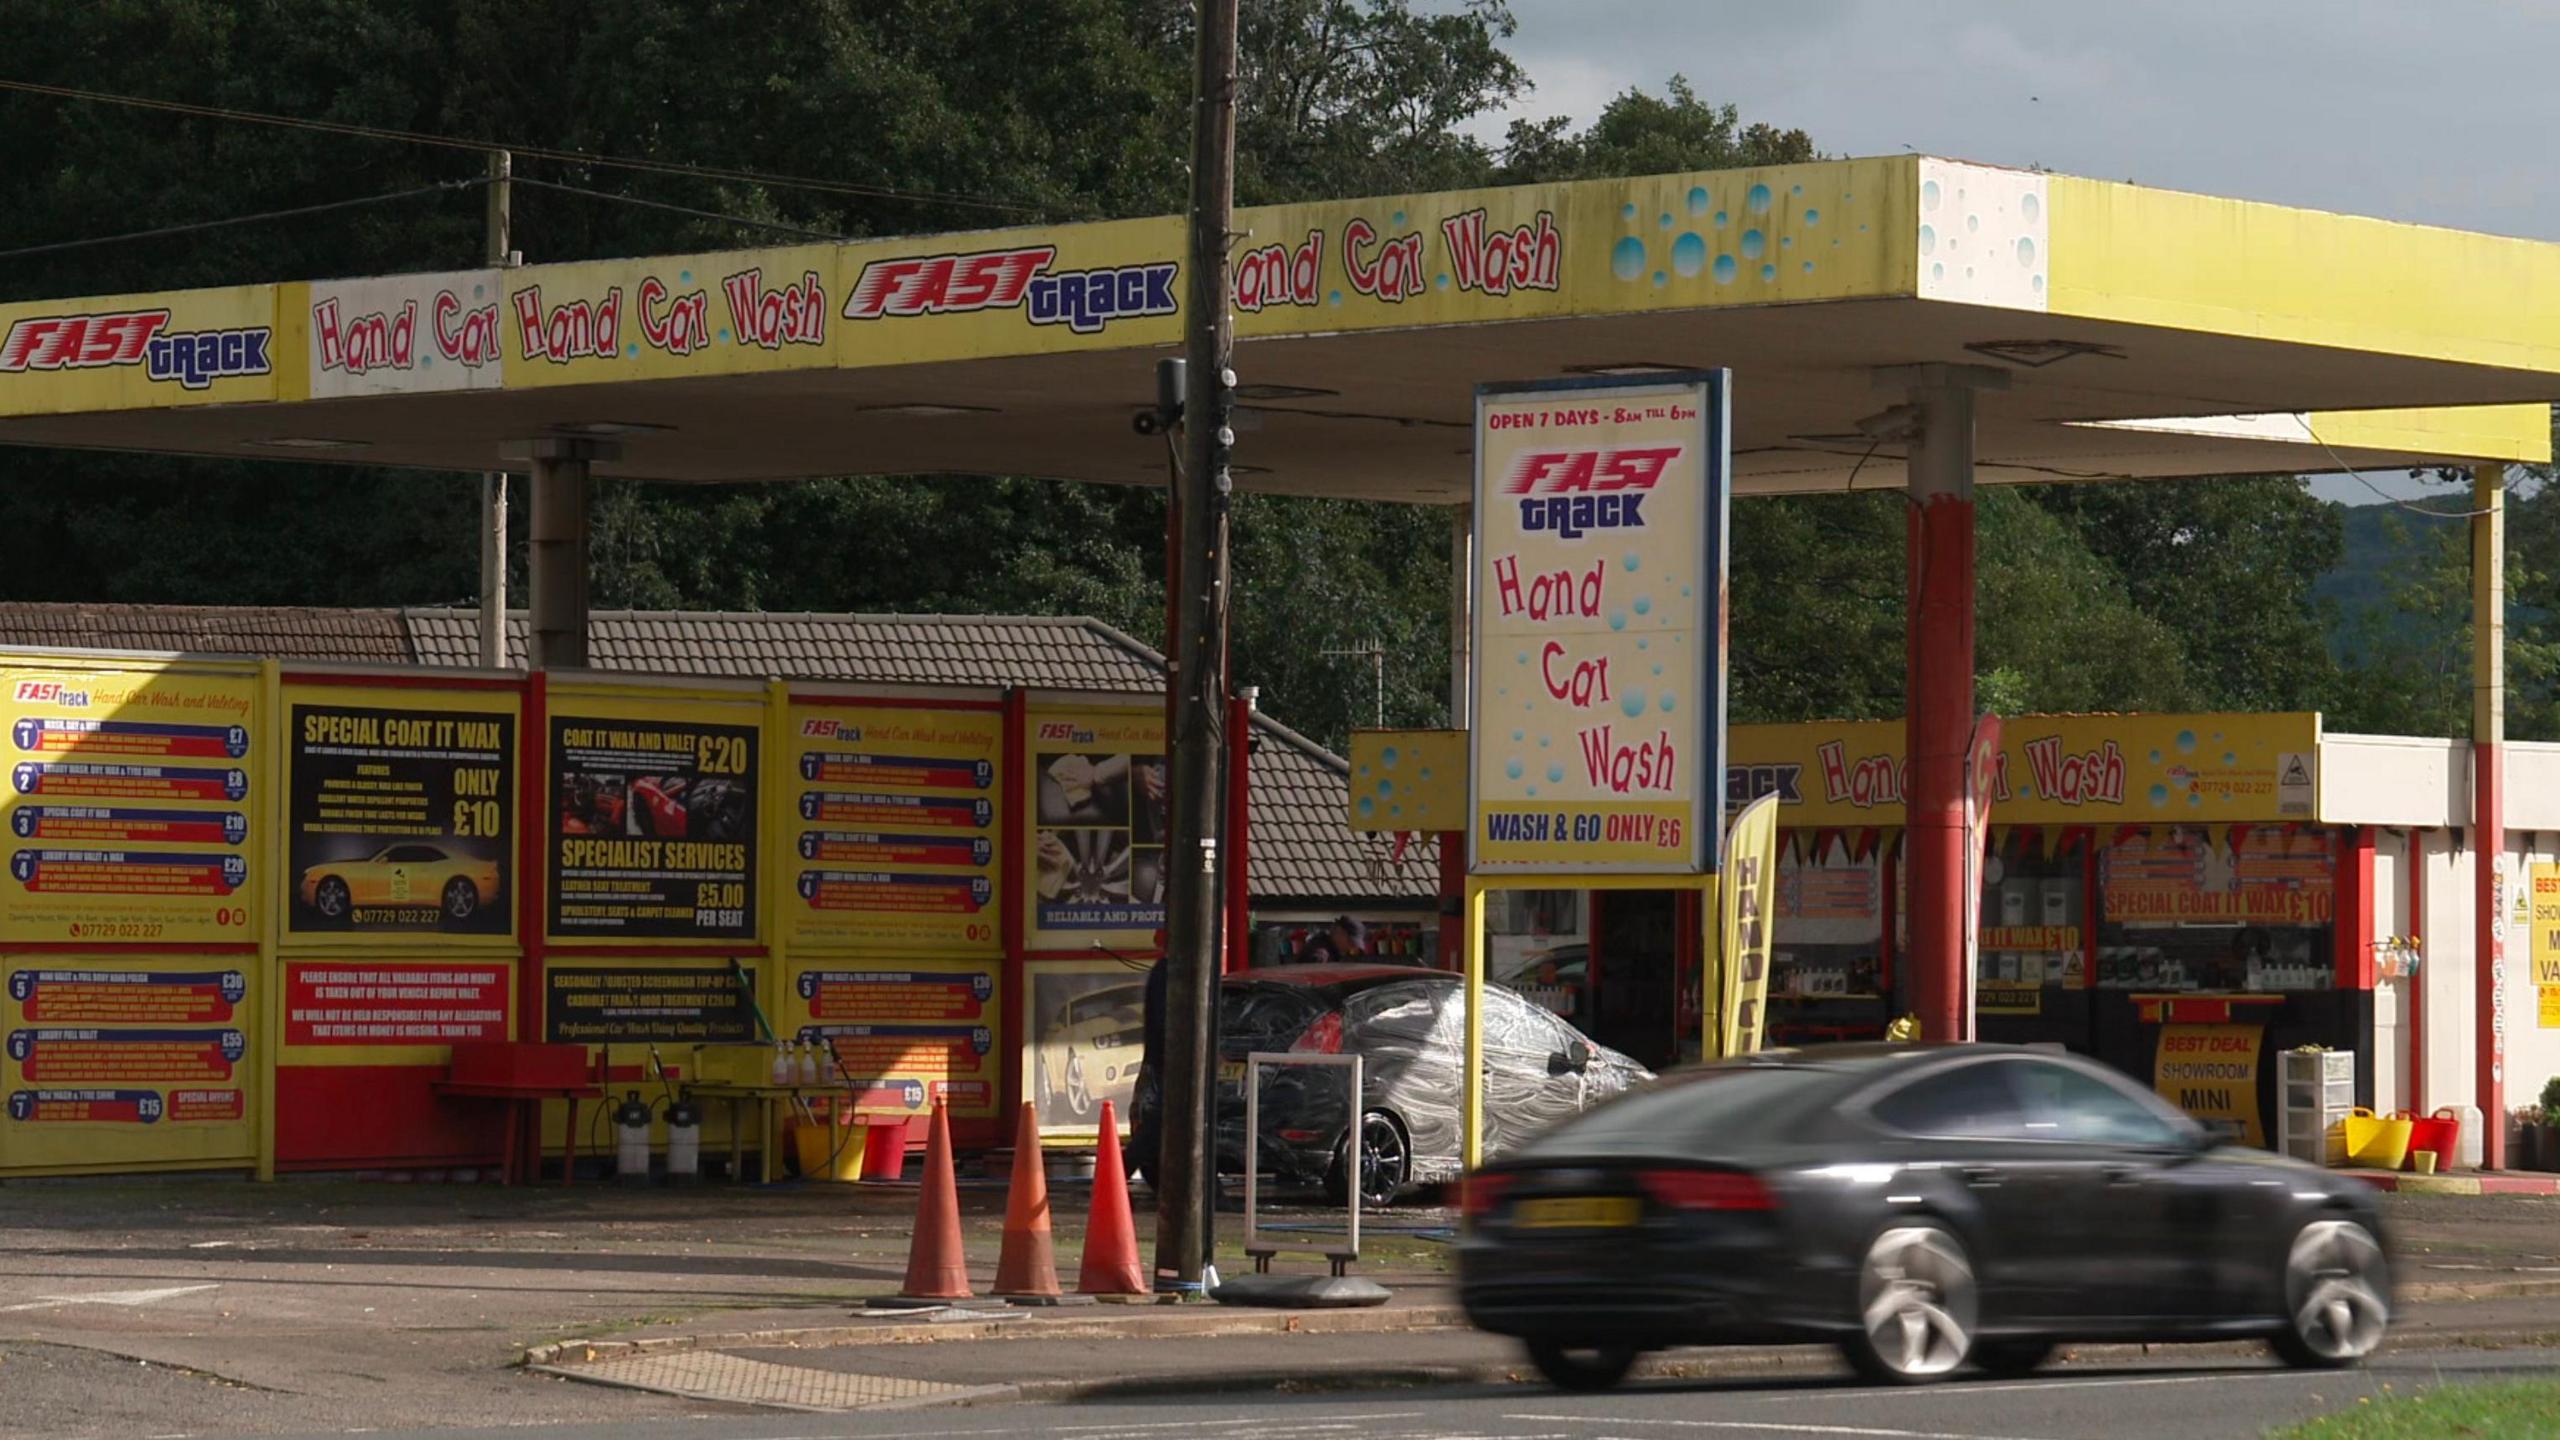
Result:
pixel 773 225
pixel 519 150
pixel 188 229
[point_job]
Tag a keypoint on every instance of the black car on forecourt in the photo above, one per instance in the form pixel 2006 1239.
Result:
pixel 1920 1206
pixel 1408 1026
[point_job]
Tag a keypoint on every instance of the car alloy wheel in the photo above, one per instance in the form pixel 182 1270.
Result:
pixel 1386 1163
pixel 2335 1281
pixel 1916 1306
pixel 329 897
pixel 461 898
pixel 1079 1094
pixel 1581 1367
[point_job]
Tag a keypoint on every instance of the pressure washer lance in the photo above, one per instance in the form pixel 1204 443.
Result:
pixel 631 1149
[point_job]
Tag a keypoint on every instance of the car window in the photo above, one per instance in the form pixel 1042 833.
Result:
pixel 1970 1102
pixel 2064 1103
pixel 1401 1013
pixel 1263 1017
pixel 1697 1108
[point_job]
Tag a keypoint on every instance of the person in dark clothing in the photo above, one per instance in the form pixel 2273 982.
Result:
pixel 1146 1101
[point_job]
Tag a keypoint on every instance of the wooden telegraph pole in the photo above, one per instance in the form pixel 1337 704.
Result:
pixel 1186 1187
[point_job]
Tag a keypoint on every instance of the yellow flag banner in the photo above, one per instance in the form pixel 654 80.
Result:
pixel 1747 899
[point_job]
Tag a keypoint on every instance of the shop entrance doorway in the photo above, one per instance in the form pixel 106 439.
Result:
pixel 1642 942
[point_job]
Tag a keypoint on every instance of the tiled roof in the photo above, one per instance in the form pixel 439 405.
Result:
pixel 300 632
pixel 1043 652
pixel 1301 850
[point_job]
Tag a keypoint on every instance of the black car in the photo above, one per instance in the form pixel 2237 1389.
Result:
pixel 1921 1207
pixel 1408 1026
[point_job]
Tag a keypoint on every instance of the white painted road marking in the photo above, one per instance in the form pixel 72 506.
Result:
pixel 109 1297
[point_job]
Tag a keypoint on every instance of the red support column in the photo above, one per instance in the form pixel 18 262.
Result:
pixel 1238 954
pixel 1939 688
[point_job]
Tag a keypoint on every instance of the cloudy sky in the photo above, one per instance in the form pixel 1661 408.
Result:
pixel 2437 112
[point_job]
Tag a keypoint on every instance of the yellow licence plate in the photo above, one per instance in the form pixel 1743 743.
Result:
pixel 1230 1072
pixel 1580 1212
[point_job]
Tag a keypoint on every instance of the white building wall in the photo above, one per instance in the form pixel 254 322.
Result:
pixel 2391 997
pixel 2393 780
pixel 2447 971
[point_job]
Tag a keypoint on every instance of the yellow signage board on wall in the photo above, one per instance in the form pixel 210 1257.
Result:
pixel 897 829
pixel 652 817
pixel 129 805
pixel 1094 787
pixel 2543 949
pixel 2052 770
pixel 1599 672
pixel 400 814
pixel 129 1061
pixel 903 1034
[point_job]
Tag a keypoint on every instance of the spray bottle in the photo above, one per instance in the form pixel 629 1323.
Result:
pixel 631 1132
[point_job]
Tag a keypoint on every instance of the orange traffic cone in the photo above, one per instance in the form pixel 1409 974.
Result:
pixel 1111 1232
pixel 1027 1269
pixel 937 1269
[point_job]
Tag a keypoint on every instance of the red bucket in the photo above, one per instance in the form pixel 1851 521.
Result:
pixel 2441 1132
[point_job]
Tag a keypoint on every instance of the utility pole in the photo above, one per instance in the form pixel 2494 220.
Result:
pixel 1199 679
pixel 493 485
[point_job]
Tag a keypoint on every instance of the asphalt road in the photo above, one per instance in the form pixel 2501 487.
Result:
pixel 2190 1402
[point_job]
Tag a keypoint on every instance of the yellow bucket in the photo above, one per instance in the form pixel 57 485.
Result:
pixel 2375 1141
pixel 827 1152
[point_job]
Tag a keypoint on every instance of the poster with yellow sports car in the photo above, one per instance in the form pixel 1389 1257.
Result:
pixel 402 807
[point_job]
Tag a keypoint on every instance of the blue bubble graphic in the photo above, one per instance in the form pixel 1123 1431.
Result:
pixel 1396 219
pixel 1795 189
pixel 1661 278
pixel 2159 795
pixel 1555 773
pixel 1813 217
pixel 1642 644
pixel 1684 592
pixel 2028 206
pixel 1426 772
pixel 1524 657
pixel 1808 267
pixel 1633 704
pixel 1513 769
pixel 1617 619
pixel 1542 741
pixel 1367 807
pixel 2186 742
pixel 1626 261
pixel 1627 211
pixel 1721 217
pixel 1334 297
pixel 1388 757
pixel 1533 792
pixel 684 277
pixel 1440 282
pixel 2026 251
pixel 1757 201
pixel 1724 269
pixel 2195 797
pixel 1633 562
pixel 1928 194
pixel 1519 735
pixel 1395 809
pixel 2230 759
pixel 1666 702
pixel 1768 272
pixel 1697 199
pixel 1665 221
pixel 2155 757
pixel 1928 239
pixel 1644 604
pixel 1657 669
pixel 1689 254
pixel 1386 787
pixel 1754 244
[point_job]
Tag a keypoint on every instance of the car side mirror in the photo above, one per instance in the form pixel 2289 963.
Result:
pixel 1573 1059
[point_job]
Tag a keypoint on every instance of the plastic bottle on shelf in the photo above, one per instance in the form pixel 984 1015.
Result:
pixel 784 1071
pixel 808 1062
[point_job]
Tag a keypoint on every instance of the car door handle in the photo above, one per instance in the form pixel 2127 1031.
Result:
pixel 1980 1177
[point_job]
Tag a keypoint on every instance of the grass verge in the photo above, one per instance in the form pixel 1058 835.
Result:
pixel 2521 1410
